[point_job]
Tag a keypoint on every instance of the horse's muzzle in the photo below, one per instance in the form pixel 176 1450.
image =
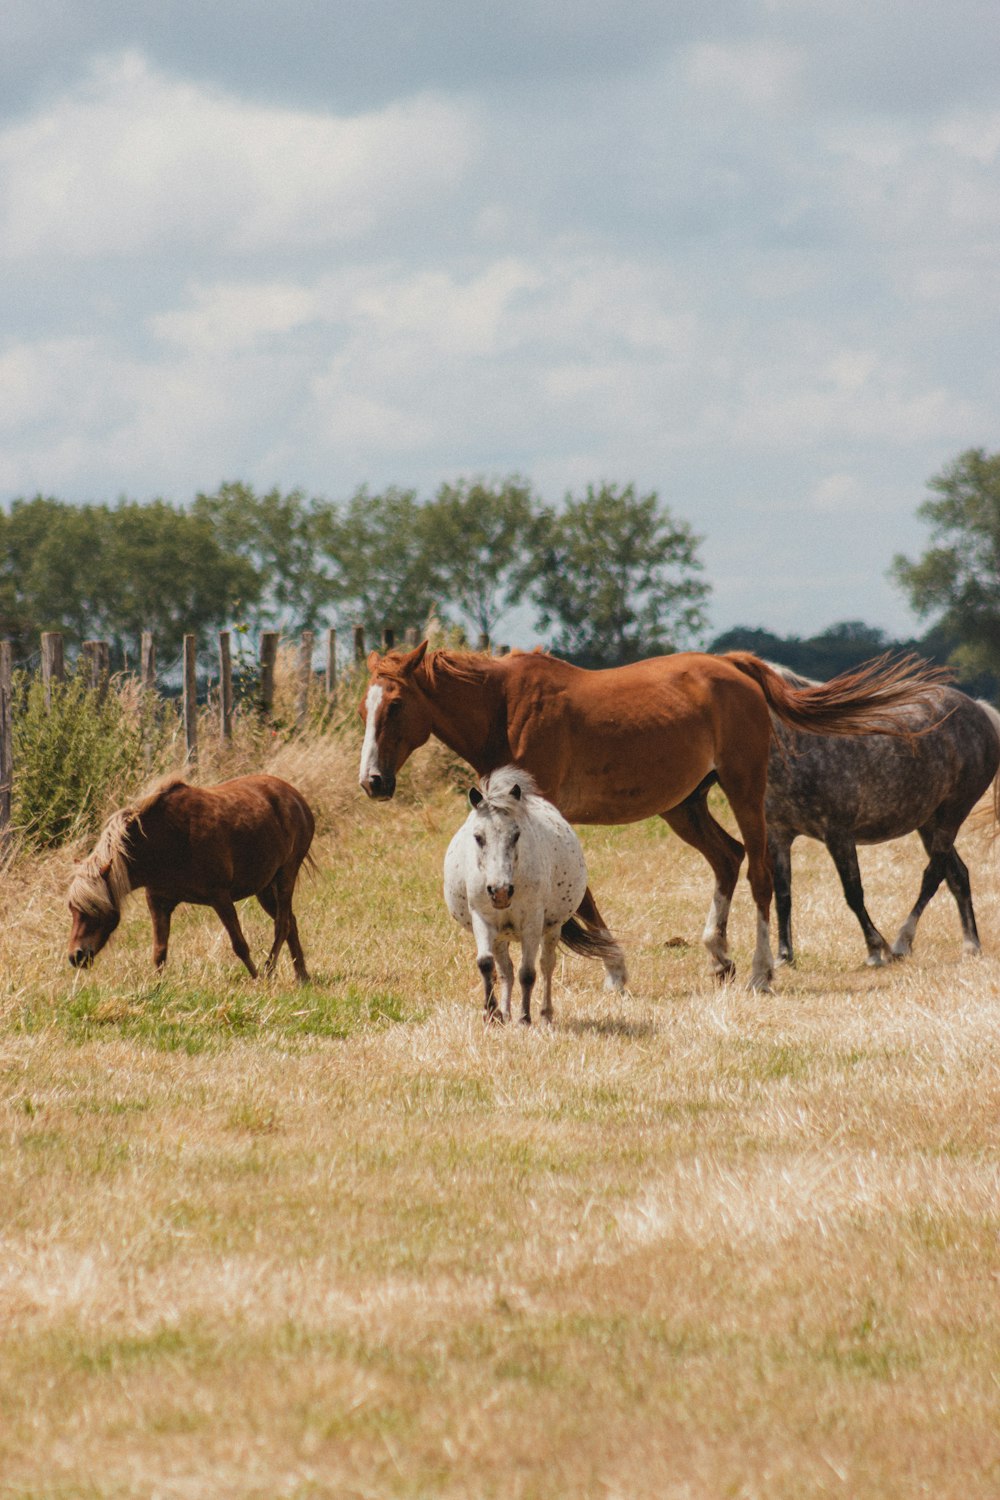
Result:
pixel 501 896
pixel 81 958
pixel 379 788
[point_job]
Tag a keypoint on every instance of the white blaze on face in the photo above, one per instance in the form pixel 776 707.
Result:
pixel 369 753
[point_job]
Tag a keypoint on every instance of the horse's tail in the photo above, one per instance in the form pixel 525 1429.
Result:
pixel 590 942
pixel 863 701
pixel 994 719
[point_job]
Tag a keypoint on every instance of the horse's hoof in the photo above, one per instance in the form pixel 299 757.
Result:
pixel 524 1020
pixel 615 983
pixel 493 1017
pixel 724 973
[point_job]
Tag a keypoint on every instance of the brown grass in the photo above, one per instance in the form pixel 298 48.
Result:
pixel 339 1241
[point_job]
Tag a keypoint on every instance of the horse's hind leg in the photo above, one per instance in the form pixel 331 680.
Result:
pixel 282 915
pixel 780 850
pixel 844 853
pixel 957 875
pixel 692 821
pixel 943 864
pixel 615 971
pixel 226 912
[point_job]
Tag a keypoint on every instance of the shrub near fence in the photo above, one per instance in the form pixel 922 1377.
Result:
pixel 70 741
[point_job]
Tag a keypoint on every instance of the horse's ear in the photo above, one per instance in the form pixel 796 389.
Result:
pixel 515 791
pixel 373 660
pixel 475 796
pixel 412 662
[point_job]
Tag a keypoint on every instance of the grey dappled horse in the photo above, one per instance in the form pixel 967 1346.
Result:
pixel 869 788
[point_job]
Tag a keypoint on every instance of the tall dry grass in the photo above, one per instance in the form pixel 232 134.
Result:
pixel 271 1241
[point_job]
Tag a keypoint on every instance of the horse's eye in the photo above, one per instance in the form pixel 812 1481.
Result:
pixel 480 840
pixel 515 836
pixel 394 709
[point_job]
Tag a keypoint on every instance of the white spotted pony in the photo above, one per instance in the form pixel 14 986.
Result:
pixel 515 869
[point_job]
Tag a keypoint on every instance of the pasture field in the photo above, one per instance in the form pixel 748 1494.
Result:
pixel 259 1240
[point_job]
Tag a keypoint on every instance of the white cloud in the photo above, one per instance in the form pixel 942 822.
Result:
pixel 759 74
pixel 134 160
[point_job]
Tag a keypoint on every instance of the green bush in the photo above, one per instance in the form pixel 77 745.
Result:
pixel 74 761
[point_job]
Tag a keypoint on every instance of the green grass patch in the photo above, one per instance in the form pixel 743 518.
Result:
pixel 172 1017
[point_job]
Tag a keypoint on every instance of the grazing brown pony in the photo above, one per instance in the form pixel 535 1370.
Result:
pixel 207 845
pixel 626 743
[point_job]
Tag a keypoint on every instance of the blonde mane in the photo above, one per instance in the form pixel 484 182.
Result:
pixel 101 882
pixel 499 785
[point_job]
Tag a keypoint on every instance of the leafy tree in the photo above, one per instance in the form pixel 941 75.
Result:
pixel 113 572
pixel 475 537
pixel 378 552
pixel 616 575
pixel 958 578
pixel 277 535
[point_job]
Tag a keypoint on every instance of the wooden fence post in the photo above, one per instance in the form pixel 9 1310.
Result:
pixel 147 691
pixel 97 664
pixel 484 641
pixel 6 739
pixel 268 657
pixel 359 643
pixel 331 665
pixel 388 638
pixel 147 663
pixel 225 687
pixel 412 636
pixel 305 677
pixel 53 662
pixel 190 699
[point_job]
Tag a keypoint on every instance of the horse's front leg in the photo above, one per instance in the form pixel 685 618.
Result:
pixel 506 967
pixel 160 911
pixel 484 936
pixel 550 943
pixel 531 937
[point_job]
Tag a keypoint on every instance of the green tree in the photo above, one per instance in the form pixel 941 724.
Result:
pixel 475 536
pixel 277 535
pixel 380 564
pixel 617 577
pixel 112 572
pixel 958 578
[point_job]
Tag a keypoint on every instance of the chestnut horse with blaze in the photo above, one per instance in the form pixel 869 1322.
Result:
pixel 626 743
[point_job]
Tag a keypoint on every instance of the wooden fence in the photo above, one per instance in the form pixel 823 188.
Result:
pixel 94 662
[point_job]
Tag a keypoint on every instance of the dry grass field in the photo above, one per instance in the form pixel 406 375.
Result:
pixel 264 1241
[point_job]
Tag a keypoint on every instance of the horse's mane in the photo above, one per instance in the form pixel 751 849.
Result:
pixel 498 787
pixel 101 882
pixel 467 666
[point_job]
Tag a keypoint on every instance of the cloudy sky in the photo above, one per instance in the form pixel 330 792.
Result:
pixel 745 254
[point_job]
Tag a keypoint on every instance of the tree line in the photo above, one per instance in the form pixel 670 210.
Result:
pixel 609 576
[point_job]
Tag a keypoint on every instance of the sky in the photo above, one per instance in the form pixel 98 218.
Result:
pixel 745 254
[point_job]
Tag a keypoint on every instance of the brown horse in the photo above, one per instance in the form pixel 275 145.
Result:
pixel 629 742
pixel 207 845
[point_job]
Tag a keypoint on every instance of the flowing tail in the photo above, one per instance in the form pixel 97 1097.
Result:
pixel 864 701
pixel 589 942
pixel 587 934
